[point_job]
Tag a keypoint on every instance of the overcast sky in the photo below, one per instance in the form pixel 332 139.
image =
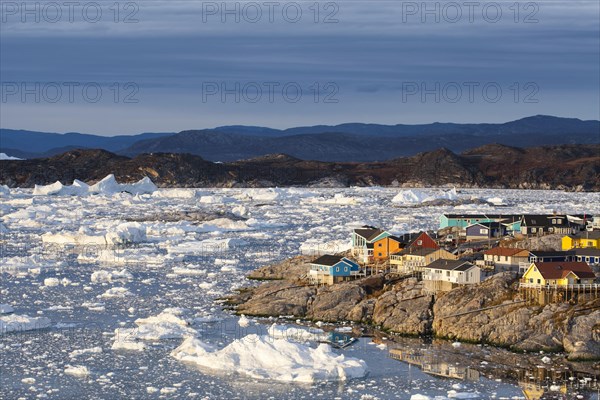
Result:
pixel 188 65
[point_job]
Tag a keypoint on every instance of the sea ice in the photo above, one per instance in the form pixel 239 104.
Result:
pixel 262 357
pixel 20 323
pixel 79 371
pixel 416 196
pixel 6 309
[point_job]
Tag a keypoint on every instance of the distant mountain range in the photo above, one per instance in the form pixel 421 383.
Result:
pixel 345 142
pixel 573 167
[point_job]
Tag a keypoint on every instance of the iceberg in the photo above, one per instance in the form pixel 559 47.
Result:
pixel 262 357
pixel 21 323
pixel 107 186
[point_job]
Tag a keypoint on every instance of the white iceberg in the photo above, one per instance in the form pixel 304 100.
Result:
pixel 416 196
pixel 107 186
pixel 79 371
pixel 21 323
pixel 78 188
pixel 110 276
pixel 4 156
pixel 166 325
pixel 261 357
pixel 126 233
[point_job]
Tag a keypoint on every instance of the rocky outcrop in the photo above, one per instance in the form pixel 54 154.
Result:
pixel 334 303
pixel 277 298
pixel 290 269
pixel 490 312
pixel 404 309
pixel 582 339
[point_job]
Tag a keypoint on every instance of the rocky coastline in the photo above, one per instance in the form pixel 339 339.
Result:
pixel 490 313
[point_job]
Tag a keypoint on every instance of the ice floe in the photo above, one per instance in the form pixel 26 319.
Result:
pixel 110 276
pixel 416 196
pixel 116 292
pixel 6 309
pixel 107 186
pixel 21 323
pixel 169 324
pixel 262 357
pixel 79 371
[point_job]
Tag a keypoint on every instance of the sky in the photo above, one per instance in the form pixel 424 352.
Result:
pixel 124 67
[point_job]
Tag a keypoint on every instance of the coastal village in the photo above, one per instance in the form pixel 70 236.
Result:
pixel 468 248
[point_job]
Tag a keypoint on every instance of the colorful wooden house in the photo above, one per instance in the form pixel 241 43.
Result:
pixel 588 255
pixel 558 273
pixel 330 269
pixel 413 259
pixel 420 240
pixel 363 240
pixel 382 248
pixel 485 230
pixel 550 256
pixel 506 259
pixel 586 239
pixel 444 275
pixel 463 220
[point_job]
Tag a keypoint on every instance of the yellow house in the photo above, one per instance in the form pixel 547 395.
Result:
pixel 581 240
pixel 559 273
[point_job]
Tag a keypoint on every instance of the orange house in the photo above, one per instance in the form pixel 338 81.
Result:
pixel 382 248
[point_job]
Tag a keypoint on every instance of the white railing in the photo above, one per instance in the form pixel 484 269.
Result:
pixel 580 286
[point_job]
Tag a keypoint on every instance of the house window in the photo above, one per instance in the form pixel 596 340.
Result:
pixel 419 242
pixel 596 260
pixel 554 221
pixel 539 281
pixel 379 254
pixel 380 244
pixel 337 269
pixel 533 230
pixel 590 244
pixel 587 259
pixel 483 231
pixel 345 269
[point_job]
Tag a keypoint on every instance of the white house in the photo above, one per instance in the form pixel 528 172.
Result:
pixel 444 275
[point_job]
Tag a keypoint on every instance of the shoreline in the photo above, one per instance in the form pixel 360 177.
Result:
pixel 399 309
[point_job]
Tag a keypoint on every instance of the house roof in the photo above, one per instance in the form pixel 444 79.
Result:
pixel 559 270
pixel 491 225
pixel 328 260
pixel 503 251
pixel 550 253
pixel 369 233
pixel 482 216
pixel 450 265
pixel 543 219
pixel 594 235
pixel 586 251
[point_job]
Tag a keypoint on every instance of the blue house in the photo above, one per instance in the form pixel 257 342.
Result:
pixel 551 256
pixel 485 230
pixel 329 269
pixel 463 220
